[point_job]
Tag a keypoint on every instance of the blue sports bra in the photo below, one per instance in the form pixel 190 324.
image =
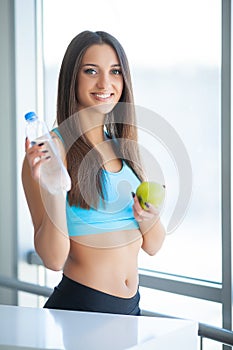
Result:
pixel 114 214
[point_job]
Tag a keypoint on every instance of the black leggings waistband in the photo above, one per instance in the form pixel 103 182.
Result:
pixel 71 295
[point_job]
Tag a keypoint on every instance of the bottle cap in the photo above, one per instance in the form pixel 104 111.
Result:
pixel 30 116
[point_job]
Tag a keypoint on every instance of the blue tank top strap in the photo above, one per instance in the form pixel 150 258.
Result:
pixel 57 132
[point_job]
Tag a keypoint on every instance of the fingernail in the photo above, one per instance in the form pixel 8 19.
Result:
pixel 147 205
pixel 45 151
pixel 133 194
pixel 48 157
pixel 41 144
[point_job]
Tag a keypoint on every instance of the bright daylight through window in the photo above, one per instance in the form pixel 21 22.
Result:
pixel 176 74
pixel 175 59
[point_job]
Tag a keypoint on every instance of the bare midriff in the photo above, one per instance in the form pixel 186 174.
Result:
pixel 106 262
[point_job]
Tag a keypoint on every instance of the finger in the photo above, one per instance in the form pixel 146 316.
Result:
pixel 140 214
pixel 34 155
pixel 137 204
pixel 35 151
pixel 27 144
pixel 152 209
pixel 144 213
pixel 35 169
pixel 41 158
pixel 136 215
pixel 30 148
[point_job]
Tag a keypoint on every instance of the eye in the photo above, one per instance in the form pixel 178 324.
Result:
pixel 90 71
pixel 116 71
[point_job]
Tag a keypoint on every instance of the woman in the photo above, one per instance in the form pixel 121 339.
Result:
pixel 95 232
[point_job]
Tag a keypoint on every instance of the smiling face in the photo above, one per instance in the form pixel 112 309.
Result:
pixel 100 81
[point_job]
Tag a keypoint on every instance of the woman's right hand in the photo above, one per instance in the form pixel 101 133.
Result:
pixel 48 212
pixel 35 156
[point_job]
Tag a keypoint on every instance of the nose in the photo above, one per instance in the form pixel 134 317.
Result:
pixel 103 81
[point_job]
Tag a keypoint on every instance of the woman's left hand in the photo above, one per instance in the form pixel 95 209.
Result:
pixel 144 215
pixel 150 226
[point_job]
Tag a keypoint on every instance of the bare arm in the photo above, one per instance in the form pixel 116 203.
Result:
pixel 47 212
pixel 152 230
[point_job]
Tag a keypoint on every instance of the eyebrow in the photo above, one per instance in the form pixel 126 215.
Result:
pixel 96 65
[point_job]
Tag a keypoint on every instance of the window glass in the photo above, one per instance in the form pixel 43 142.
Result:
pixel 174 50
pixel 175 305
pixel 212 345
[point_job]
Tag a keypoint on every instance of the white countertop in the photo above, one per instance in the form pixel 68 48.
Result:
pixel 36 328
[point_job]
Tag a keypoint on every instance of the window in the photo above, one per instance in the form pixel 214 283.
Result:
pixel 175 65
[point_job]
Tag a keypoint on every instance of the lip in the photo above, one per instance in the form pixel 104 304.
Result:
pixel 102 96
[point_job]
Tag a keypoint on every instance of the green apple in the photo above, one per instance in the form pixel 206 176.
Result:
pixel 150 192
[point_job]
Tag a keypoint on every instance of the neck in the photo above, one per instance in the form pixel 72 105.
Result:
pixel 96 135
pixel 92 125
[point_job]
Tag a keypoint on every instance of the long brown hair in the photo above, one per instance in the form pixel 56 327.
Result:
pixel 88 181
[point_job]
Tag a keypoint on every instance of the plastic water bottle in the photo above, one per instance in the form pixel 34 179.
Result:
pixel 53 174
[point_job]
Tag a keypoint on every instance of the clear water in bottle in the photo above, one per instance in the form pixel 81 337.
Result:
pixel 53 174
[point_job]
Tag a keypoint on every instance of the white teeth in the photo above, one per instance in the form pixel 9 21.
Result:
pixel 103 95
